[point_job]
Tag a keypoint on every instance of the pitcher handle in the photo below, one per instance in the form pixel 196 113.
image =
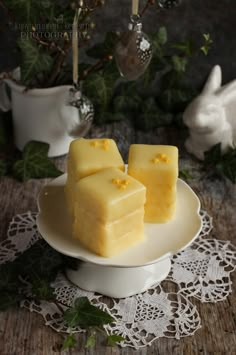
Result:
pixel 5 100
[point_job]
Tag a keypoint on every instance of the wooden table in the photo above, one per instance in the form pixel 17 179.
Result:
pixel 24 333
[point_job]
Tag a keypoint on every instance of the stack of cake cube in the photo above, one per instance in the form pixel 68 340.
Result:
pixel 108 206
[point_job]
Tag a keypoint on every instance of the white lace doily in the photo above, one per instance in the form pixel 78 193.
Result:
pixel 201 271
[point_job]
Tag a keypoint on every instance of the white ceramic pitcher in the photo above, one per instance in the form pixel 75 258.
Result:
pixel 40 114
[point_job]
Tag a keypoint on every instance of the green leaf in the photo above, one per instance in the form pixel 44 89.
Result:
pixel 39 265
pixel 186 47
pixel 99 50
pixel 9 299
pixel 162 36
pixel 6 129
pixel 26 12
pixel 151 116
pixel 9 286
pixel 124 103
pixel 223 164
pixel 179 63
pixel 69 342
pixel 91 341
pixel 213 155
pixel 3 167
pixel 228 167
pixel 97 90
pixel 35 163
pixel 147 121
pixel 85 315
pixel 174 100
pixel 35 61
pixel 185 175
pixel 113 339
pixel 158 40
pixel 3 133
pixel 99 87
pixel 42 290
pixel 207 43
pixel 40 262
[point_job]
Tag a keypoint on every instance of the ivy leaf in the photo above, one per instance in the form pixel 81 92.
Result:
pixel 97 90
pixel 212 156
pixel 151 116
pixel 85 315
pixel 42 290
pixel 113 339
pixel 104 48
pixel 207 43
pixel 35 163
pixel 162 36
pixel 186 47
pixel 99 87
pixel 158 40
pixel 9 285
pixel 174 100
pixel 3 133
pixel 124 103
pixel 35 61
pixel 150 120
pixel 39 265
pixel 185 175
pixel 69 342
pixel 9 299
pixel 40 262
pixel 223 164
pixel 91 341
pixel 6 127
pixel 3 167
pixel 228 165
pixel 179 63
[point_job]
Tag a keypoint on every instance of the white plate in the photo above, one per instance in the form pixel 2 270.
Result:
pixel 162 240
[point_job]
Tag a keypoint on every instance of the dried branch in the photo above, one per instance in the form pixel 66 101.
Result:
pixel 98 65
pixel 49 45
pixel 59 62
pixel 148 4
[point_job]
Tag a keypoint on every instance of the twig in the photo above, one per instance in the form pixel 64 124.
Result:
pixel 59 63
pixel 50 45
pixel 63 52
pixel 148 4
pixel 9 14
pixel 95 67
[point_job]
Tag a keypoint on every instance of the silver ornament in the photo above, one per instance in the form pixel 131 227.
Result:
pixel 84 115
pixel 169 4
pixel 133 52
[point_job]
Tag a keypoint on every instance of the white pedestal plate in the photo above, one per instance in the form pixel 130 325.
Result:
pixel 133 271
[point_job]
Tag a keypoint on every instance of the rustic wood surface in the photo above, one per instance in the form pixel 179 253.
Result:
pixel 24 333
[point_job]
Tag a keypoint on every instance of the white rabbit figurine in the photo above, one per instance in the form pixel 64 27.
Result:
pixel 211 116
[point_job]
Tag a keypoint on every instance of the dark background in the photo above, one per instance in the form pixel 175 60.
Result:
pixel 190 20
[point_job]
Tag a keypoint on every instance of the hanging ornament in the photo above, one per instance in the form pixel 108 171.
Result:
pixel 133 52
pixel 85 112
pixel 168 4
pixel 83 116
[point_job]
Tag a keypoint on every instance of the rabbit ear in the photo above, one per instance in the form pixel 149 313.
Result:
pixel 227 92
pixel 214 80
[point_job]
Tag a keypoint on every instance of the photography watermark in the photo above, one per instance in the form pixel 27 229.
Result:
pixel 50 31
pixel 51 35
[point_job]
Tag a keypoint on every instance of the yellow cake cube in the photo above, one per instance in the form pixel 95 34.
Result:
pixel 109 215
pixel 86 157
pixel 156 166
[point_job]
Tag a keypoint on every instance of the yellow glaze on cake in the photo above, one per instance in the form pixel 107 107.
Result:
pixel 156 166
pixel 86 157
pixel 109 215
